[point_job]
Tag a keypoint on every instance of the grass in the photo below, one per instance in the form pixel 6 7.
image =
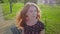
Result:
pixel 52 18
pixel 15 8
pixel 50 15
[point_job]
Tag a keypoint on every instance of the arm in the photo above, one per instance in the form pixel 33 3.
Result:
pixel 23 31
pixel 42 32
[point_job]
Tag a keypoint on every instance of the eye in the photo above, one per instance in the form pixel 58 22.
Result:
pixel 35 11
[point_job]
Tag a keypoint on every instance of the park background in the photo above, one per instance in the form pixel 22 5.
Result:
pixel 50 14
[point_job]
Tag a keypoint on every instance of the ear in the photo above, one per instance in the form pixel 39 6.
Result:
pixel 38 16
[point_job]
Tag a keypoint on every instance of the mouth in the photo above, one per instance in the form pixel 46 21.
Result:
pixel 33 16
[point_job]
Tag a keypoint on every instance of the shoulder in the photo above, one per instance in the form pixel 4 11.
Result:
pixel 41 25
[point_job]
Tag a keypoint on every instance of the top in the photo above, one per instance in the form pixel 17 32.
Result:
pixel 35 29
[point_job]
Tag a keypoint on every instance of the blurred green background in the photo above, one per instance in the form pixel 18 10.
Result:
pixel 50 12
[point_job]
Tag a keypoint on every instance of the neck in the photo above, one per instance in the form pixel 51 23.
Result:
pixel 32 21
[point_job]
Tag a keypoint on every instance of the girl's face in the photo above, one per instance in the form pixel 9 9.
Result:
pixel 32 13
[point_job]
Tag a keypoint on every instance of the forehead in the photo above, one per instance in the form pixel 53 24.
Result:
pixel 32 8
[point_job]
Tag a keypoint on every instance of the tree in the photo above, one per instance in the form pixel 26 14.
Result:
pixel 2 1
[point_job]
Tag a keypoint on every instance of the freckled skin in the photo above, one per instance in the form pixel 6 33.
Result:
pixel 32 13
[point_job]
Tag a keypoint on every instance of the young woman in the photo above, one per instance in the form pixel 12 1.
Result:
pixel 28 19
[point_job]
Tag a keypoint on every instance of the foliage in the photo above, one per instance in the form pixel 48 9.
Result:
pixel 15 8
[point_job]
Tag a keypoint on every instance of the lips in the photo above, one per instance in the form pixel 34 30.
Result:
pixel 33 16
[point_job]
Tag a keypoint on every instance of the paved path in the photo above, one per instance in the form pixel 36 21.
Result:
pixel 5 26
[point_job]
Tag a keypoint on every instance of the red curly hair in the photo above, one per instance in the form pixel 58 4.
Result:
pixel 21 16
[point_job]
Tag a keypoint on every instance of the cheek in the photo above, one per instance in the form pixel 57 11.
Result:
pixel 26 18
pixel 35 14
